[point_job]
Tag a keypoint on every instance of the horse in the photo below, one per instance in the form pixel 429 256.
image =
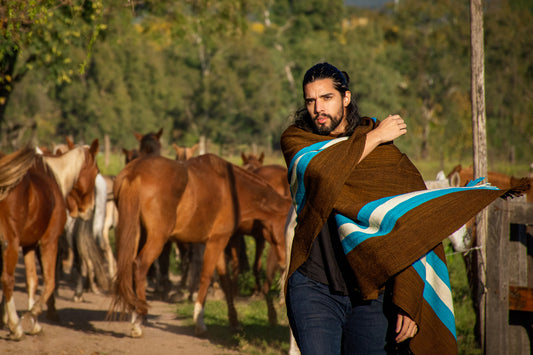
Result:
pixel 276 176
pixel 190 254
pixel 130 154
pixel 82 240
pixel 150 143
pixel 184 153
pixel 90 248
pixel 502 181
pixel 34 214
pixel 202 200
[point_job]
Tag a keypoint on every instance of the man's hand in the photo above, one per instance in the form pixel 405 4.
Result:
pixel 391 127
pixel 405 327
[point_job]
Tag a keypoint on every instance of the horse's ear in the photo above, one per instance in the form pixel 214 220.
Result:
pixel 94 147
pixel 70 143
pixel 138 136
pixel 193 149
pixel 159 134
pixel 261 157
pixel 176 147
pixel 455 179
pixel 244 158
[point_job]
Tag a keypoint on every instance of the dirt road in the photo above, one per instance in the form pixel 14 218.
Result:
pixel 82 329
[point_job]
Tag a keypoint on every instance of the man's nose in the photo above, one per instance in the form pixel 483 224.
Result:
pixel 319 106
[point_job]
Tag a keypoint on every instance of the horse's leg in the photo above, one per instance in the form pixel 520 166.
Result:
pixel 214 249
pixel 10 258
pixel 226 284
pixel 29 323
pixel 196 253
pixel 184 250
pixel 32 281
pixel 259 247
pixel 162 285
pixel 77 269
pixel 48 249
pixel 148 254
pixel 271 268
pixel 232 252
pixel 108 223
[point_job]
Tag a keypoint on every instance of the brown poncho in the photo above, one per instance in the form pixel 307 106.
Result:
pixel 326 178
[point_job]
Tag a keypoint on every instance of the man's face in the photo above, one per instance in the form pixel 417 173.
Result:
pixel 326 106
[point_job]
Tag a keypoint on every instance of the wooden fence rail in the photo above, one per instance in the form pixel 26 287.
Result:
pixel 509 281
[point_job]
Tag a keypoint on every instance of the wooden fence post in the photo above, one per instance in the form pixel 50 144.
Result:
pixel 509 297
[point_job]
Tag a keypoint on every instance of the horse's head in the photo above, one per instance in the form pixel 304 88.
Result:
pixel 184 153
pixel 130 154
pixel 150 143
pixel 80 200
pixel 251 161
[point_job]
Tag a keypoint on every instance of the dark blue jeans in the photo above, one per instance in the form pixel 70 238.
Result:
pixel 325 323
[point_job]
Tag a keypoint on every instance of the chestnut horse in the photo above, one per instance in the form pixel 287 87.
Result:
pixel 202 200
pixel 33 214
pixel 276 176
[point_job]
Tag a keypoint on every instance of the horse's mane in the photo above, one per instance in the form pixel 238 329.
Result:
pixel 13 167
pixel 66 168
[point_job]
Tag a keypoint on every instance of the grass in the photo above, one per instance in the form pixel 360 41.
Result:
pixel 256 335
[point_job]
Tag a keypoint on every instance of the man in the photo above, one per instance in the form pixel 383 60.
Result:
pixel 367 271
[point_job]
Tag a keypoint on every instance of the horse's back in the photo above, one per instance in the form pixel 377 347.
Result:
pixel 276 175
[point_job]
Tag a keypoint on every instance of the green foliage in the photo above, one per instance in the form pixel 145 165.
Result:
pixel 231 71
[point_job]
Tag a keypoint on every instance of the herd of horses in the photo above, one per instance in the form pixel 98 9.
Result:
pixel 153 202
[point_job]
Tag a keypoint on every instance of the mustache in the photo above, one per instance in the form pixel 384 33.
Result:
pixel 316 117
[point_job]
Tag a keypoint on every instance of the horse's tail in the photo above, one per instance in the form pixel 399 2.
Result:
pixel 13 167
pixel 89 251
pixel 127 235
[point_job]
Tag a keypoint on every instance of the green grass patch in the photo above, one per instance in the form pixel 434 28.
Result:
pixel 256 335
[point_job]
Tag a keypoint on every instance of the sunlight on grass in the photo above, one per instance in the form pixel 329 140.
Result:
pixel 256 335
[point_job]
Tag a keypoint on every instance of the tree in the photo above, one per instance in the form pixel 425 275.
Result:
pixel 42 34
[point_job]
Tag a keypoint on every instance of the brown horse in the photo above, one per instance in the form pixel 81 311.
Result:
pixel 184 153
pixel 33 214
pixel 276 176
pixel 202 200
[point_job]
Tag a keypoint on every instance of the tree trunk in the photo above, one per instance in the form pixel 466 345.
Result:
pixel 476 263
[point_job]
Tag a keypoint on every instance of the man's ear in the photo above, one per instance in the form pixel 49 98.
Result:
pixel 347 98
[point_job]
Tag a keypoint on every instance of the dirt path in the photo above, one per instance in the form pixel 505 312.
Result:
pixel 82 329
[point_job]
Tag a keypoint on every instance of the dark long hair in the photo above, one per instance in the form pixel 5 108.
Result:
pixel 319 71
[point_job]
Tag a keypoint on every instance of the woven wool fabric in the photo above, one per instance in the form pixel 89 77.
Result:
pixel 407 246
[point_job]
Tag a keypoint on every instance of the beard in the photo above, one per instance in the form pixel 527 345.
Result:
pixel 326 129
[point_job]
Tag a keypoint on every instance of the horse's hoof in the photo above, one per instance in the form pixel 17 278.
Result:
pixel 136 331
pixel 29 324
pixel 200 330
pixel 77 299
pixel 17 334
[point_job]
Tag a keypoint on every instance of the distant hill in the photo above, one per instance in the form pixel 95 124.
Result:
pixel 373 4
